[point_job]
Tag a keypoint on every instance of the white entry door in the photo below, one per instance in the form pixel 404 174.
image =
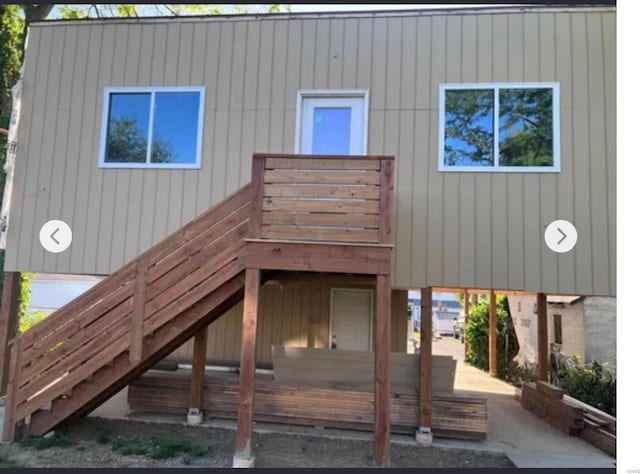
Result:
pixel 332 124
pixel 351 319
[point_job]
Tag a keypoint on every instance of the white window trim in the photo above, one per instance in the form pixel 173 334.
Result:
pixel 328 94
pixel 556 168
pixel 105 119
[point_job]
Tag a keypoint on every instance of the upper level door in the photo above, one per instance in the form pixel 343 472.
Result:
pixel 332 124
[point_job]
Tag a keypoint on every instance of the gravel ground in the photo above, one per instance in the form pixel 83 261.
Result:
pixel 89 445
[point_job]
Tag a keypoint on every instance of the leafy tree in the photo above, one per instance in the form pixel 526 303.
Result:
pixel 477 335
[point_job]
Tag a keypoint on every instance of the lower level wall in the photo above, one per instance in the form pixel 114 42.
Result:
pixel 293 311
pixel 600 329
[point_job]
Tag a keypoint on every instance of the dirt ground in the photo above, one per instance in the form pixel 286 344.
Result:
pixel 95 442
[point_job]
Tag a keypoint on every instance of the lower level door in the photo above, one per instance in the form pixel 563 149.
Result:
pixel 351 319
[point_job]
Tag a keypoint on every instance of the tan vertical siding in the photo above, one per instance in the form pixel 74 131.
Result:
pixel 451 229
pixel 291 313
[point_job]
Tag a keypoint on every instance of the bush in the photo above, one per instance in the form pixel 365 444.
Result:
pixel 27 321
pixel 593 384
pixel 477 335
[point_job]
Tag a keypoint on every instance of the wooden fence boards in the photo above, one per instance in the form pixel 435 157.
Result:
pixel 344 369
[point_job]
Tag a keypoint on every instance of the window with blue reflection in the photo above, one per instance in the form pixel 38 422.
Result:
pixel 331 131
pixel 128 128
pixel 155 127
pixel 175 127
pixel 468 127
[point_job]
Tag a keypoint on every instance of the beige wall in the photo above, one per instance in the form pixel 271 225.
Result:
pixel 292 312
pixel 525 322
pixel 451 229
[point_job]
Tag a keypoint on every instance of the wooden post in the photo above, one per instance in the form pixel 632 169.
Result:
pixel 424 436
pixel 466 319
pixel 194 415
pixel 543 338
pixel 382 383
pixel 10 423
pixel 243 456
pixel 8 323
pixel 136 333
pixel 493 335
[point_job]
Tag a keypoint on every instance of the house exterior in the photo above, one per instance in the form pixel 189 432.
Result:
pixel 487 125
pixel 577 326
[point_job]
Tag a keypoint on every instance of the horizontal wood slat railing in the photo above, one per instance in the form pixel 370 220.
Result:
pixel 113 317
pixel 322 198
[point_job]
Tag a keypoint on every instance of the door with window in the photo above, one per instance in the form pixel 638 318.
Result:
pixel 332 123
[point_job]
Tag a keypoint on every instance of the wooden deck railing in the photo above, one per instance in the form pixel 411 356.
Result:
pixel 322 198
pixel 116 315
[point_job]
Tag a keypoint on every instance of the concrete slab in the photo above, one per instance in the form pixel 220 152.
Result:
pixel 526 439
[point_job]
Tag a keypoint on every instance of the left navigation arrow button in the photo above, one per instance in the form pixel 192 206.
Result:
pixel 55 236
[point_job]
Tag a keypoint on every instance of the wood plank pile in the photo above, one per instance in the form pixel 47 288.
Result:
pixel 599 427
pixel 546 401
pixel 462 416
pixel 570 415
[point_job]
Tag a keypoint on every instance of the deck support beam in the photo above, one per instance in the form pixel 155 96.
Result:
pixel 424 437
pixel 543 338
pixel 243 456
pixel 466 319
pixel 194 415
pixel 493 335
pixel 8 323
pixel 382 383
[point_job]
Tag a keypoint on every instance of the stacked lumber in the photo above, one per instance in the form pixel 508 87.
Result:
pixel 547 402
pixel 599 427
pixel 462 416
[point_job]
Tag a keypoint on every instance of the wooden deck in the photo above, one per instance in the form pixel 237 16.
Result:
pixel 455 415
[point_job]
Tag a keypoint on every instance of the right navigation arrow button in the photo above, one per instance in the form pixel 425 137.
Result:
pixel 561 236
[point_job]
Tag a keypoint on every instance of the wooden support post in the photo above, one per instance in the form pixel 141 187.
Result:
pixel 244 456
pixel 136 334
pixel 194 415
pixel 8 323
pixel 493 335
pixel 382 385
pixel 10 422
pixel 424 436
pixel 543 338
pixel 466 319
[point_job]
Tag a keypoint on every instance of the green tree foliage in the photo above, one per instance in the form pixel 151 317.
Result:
pixel 477 334
pixel 73 11
pixel 11 25
pixel 593 383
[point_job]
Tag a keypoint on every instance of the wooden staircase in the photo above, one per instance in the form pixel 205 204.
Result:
pixel 299 213
pixel 93 347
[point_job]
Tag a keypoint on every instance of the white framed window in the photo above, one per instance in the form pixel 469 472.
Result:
pixel 151 127
pixel 332 122
pixel 507 127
